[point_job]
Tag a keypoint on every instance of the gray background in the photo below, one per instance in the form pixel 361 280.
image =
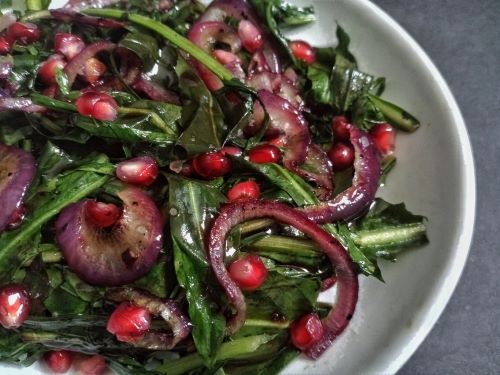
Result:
pixel 463 39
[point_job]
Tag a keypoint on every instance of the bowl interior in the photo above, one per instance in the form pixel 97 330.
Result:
pixel 434 176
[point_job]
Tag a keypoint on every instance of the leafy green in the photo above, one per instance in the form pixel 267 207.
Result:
pixel 291 15
pixel 192 207
pixel 15 351
pixel 396 115
pixel 143 45
pixel 387 229
pixel 202 117
pixel 62 82
pixel 65 189
pixel 37 4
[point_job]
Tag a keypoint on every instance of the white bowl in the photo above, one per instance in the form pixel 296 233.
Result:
pixel 434 176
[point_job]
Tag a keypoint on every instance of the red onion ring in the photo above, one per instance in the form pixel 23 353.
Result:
pixel 287 120
pixel 66 15
pixel 17 170
pixel 361 194
pixel 19 104
pixel 239 10
pixel 347 280
pixel 76 65
pixel 155 92
pixel 167 309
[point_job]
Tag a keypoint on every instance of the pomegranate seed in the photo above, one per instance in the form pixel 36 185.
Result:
pixel 341 155
pixel 232 150
pixel 47 71
pixel 262 154
pixel 279 141
pixel 383 136
pixel 303 51
pixel 129 320
pixel 101 214
pixel 306 331
pixel 98 105
pixel 68 45
pixel 142 170
pixel 225 57
pixel 340 127
pixel 15 305
pixel 243 191
pixel 93 69
pixel 5 45
pixel 23 32
pixel 248 272
pixel 94 365
pixel 17 217
pixel 250 36
pixel 59 361
pixel 211 164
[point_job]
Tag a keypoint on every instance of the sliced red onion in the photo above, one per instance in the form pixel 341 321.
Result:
pixel 66 15
pixel 347 280
pixel 167 309
pixel 19 104
pixel 318 169
pixel 114 256
pixel 353 201
pixel 220 10
pixel 76 65
pixel 81 4
pixel 17 170
pixel 287 120
pixel 278 84
pixel 154 91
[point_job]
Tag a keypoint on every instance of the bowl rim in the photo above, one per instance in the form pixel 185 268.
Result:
pixel 440 296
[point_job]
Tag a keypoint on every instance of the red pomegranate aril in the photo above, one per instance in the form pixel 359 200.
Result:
pixel 59 361
pixel 266 153
pixel 98 105
pixel 306 330
pixel 232 150
pixel 211 164
pixel 383 136
pixel 248 272
pixel 340 128
pixel 5 45
pixel 15 305
pixel 68 45
pixel 93 70
pixel 23 32
pixel 47 71
pixel 243 191
pixel 341 155
pixel 129 320
pixel 142 170
pixel 101 214
pixel 250 36
pixel 93 365
pixel 303 51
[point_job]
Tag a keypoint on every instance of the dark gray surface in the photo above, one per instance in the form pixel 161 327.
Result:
pixel 463 39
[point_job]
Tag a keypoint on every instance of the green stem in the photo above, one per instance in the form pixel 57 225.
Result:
pixel 52 103
pixel 239 348
pixel 155 118
pixel 266 323
pixel 390 236
pixel 395 115
pixel 35 16
pixel 255 225
pixel 169 34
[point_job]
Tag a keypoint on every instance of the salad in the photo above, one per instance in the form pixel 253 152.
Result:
pixel 180 182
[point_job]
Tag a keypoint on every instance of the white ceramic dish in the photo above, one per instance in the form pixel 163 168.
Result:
pixel 434 176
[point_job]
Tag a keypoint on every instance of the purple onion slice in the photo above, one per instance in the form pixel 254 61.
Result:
pixel 220 10
pixel 116 255
pixel 17 170
pixel 347 279
pixel 68 15
pixel 354 200
pixel 19 104
pixel 155 91
pixel 288 121
pixel 76 65
pixel 167 309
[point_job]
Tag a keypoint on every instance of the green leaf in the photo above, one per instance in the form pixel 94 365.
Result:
pixel 67 188
pixel 387 229
pixel 157 281
pixel 62 82
pixel 202 118
pixel 291 15
pixel 60 302
pixel 143 45
pixel 15 351
pixel 397 116
pixel 37 4
pixel 320 84
pixel 192 207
